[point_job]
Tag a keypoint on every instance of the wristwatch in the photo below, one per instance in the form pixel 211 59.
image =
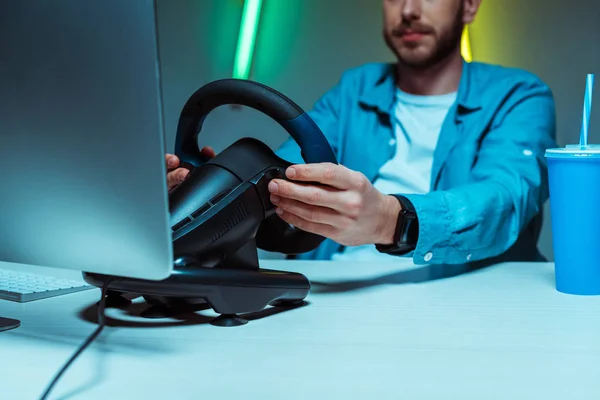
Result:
pixel 406 233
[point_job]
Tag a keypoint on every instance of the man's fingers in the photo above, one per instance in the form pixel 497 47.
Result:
pixel 208 152
pixel 326 173
pixel 309 194
pixel 308 226
pixel 306 193
pixel 177 176
pixel 321 215
pixel 172 161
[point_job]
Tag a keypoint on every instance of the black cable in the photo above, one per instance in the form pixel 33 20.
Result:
pixel 90 339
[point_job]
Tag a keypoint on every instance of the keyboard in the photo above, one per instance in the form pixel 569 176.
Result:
pixel 23 287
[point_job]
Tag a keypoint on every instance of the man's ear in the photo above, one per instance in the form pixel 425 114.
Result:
pixel 470 8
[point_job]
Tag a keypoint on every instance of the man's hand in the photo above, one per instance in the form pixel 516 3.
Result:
pixel 345 208
pixel 177 174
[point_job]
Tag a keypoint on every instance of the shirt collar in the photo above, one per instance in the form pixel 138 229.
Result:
pixel 382 95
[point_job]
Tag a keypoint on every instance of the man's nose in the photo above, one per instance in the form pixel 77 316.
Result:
pixel 411 10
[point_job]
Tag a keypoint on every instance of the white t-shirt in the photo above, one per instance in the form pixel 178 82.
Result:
pixel 418 120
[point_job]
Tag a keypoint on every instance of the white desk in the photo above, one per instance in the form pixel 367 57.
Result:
pixel 499 333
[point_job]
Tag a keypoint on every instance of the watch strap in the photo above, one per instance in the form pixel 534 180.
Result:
pixel 406 233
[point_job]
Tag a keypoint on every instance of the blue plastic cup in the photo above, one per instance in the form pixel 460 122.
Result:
pixel 574 179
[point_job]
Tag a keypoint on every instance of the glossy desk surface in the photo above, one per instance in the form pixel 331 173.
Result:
pixel 368 332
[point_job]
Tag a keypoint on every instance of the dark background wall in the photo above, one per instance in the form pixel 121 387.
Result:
pixel 303 46
pixel 555 39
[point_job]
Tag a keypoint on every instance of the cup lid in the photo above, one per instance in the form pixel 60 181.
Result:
pixel 575 150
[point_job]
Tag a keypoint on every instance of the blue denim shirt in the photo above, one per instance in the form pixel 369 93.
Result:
pixel 489 176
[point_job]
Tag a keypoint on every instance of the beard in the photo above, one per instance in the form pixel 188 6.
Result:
pixel 419 57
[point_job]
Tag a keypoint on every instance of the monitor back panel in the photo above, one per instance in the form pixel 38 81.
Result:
pixel 82 181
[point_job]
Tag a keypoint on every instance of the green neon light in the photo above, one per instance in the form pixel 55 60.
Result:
pixel 246 39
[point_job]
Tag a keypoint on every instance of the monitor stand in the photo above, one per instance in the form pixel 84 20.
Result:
pixel 7 324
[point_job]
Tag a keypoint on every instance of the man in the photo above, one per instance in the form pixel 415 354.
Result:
pixel 439 159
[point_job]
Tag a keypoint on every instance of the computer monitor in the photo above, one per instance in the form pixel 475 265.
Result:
pixel 82 144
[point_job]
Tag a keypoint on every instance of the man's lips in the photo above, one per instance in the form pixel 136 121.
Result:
pixel 411 36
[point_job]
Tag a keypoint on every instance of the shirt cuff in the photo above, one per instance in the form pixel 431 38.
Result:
pixel 434 245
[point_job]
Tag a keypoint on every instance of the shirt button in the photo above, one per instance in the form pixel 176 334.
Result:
pixel 392 142
pixel 469 257
pixel 428 256
pixel 527 152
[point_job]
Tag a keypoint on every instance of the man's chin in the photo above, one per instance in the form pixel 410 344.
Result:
pixel 414 60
